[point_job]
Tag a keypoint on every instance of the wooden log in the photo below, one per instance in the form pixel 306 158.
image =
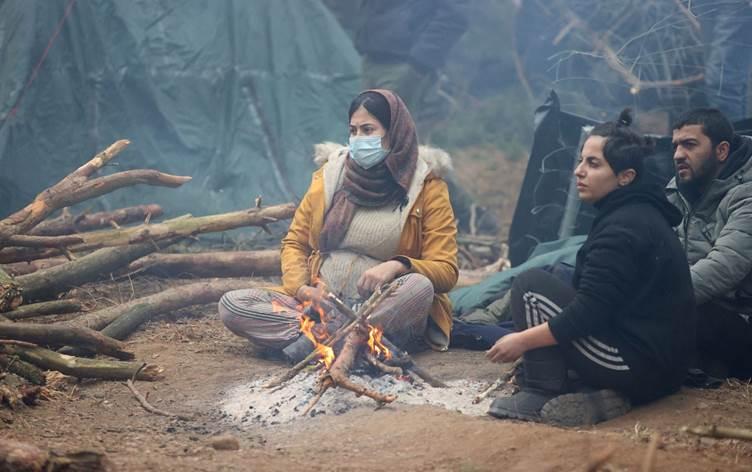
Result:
pixel 339 373
pixel 69 224
pixel 24 268
pixel 179 227
pixel 61 335
pixel 23 457
pixel 50 282
pixel 10 255
pixel 23 369
pixel 119 321
pixel 720 432
pixel 10 292
pixel 211 264
pixel 55 307
pixel 76 187
pixel 83 368
pixel 22 240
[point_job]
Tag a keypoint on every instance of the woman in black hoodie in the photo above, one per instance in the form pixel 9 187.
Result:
pixel 623 334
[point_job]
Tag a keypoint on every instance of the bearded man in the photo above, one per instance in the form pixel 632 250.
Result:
pixel 713 190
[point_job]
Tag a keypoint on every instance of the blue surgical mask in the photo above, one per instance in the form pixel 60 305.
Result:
pixel 366 151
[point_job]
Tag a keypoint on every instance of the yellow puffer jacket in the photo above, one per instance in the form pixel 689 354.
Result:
pixel 428 236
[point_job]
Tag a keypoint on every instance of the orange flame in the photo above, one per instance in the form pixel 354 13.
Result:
pixel 326 352
pixel 375 345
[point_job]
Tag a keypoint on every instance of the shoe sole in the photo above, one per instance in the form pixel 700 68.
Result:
pixel 511 415
pixel 577 409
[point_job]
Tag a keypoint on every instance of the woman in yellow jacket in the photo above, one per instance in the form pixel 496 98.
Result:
pixel 375 213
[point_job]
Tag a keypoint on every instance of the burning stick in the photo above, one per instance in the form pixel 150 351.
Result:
pixel 404 357
pixel 505 377
pixel 340 369
pixel 362 315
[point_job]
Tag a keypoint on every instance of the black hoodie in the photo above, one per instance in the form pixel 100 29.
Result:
pixel 633 282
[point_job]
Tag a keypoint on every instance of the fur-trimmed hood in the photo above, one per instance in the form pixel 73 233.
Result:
pixel 439 162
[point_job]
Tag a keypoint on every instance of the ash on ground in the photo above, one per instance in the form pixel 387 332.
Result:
pixel 252 404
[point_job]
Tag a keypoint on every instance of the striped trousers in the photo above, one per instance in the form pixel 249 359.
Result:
pixel 272 320
pixel 600 361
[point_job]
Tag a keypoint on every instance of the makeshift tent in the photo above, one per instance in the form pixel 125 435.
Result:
pixel 231 93
pixel 548 207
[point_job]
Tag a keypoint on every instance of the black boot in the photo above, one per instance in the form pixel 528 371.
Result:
pixel 545 377
pixel 585 407
pixel 297 350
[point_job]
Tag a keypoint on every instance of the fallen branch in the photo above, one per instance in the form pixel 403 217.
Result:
pixel 501 381
pixel 60 335
pixel 648 462
pixel 43 309
pixel 211 264
pixel 50 282
pixel 23 369
pixel 76 187
pixel 19 456
pixel 10 255
pixel 600 459
pixel 179 227
pixel 720 432
pixel 69 224
pixel 119 321
pixel 83 368
pixel 148 406
pixel 24 268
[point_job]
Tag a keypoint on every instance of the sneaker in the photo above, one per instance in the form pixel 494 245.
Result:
pixel 523 405
pixel 585 408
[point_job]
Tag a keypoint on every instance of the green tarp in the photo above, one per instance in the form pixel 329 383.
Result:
pixel 232 93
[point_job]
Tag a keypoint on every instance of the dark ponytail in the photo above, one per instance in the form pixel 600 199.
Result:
pixel 624 148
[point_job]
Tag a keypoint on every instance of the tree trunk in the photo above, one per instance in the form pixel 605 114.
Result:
pixel 211 264
pixel 179 227
pixel 23 457
pixel 83 368
pixel 119 321
pixel 24 268
pixel 49 282
pixel 69 224
pixel 60 335
pixel 55 307
pixel 76 187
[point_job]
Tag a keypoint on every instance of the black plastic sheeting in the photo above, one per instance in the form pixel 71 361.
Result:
pixel 232 93
pixel 543 196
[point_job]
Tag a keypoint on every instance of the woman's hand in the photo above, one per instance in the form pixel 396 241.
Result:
pixel 377 276
pixel 508 349
pixel 513 345
pixel 308 293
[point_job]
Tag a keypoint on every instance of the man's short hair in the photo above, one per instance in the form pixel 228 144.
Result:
pixel 714 124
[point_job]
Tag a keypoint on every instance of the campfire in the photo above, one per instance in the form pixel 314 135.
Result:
pixel 359 340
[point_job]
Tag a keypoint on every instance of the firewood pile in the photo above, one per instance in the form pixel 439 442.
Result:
pixel 43 257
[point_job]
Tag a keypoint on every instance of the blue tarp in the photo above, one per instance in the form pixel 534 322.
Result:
pixel 231 93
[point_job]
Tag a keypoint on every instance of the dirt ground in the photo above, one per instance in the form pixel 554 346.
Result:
pixel 202 361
